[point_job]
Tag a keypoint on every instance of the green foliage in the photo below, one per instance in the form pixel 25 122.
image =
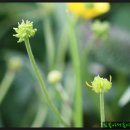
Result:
pixel 22 106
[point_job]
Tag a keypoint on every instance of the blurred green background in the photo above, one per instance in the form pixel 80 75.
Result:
pixel 22 107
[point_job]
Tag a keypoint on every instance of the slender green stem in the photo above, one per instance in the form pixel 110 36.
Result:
pixel 49 40
pixel 61 92
pixel 39 77
pixel 63 46
pixel 6 83
pixel 62 49
pixel 66 109
pixel 78 114
pixel 102 112
pixel 41 112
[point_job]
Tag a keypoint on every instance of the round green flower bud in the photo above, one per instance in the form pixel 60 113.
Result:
pixel 54 77
pixel 100 29
pixel 25 30
pixel 14 63
pixel 100 85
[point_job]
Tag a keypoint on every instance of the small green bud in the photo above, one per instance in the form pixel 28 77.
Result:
pixel 14 64
pixel 54 77
pixel 25 30
pixel 100 29
pixel 100 85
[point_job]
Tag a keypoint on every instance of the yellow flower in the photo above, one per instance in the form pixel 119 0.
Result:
pixel 100 85
pixel 88 10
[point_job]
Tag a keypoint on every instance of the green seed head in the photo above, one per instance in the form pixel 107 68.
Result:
pixel 100 85
pixel 100 29
pixel 25 30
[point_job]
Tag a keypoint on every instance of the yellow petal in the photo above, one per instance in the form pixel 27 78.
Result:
pixel 82 10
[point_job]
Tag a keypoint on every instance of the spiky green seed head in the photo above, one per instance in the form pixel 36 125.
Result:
pixel 25 30
pixel 100 85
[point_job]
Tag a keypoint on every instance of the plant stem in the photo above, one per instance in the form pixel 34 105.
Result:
pixel 49 40
pixel 102 112
pixel 62 49
pixel 6 83
pixel 39 77
pixel 61 92
pixel 66 109
pixel 78 121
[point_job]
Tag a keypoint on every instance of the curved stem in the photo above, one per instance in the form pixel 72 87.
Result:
pixel 39 77
pixel 6 83
pixel 102 112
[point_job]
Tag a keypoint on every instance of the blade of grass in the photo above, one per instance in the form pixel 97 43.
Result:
pixel 49 41
pixel 62 49
pixel 6 83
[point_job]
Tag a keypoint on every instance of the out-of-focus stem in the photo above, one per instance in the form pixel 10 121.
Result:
pixel 78 112
pixel 49 40
pixel 62 49
pixel 6 83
